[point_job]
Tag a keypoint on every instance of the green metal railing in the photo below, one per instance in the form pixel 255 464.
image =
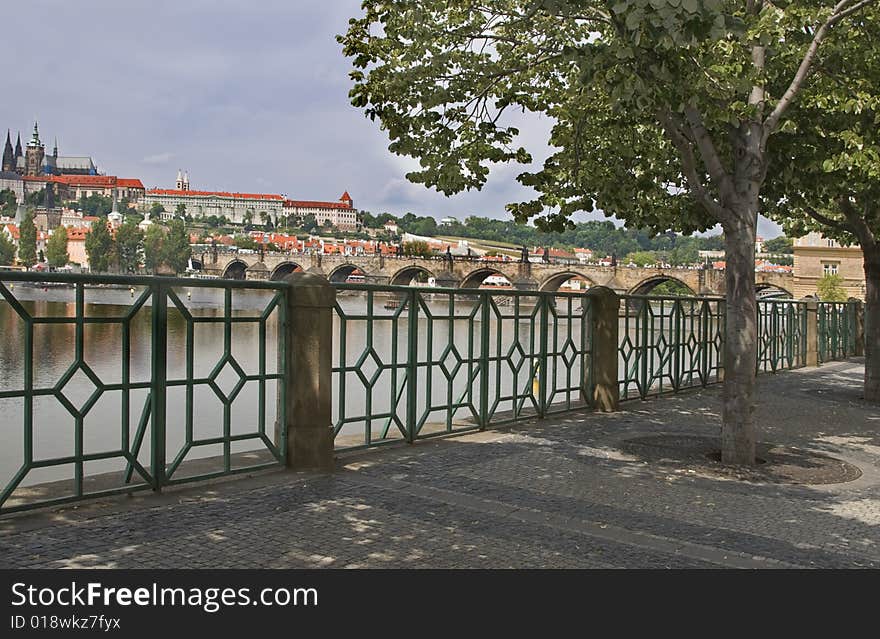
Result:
pixel 669 343
pixel 409 363
pixel 157 433
pixel 430 362
pixel 837 330
pixel 782 335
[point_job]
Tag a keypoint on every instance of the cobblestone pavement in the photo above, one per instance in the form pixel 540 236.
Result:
pixel 557 493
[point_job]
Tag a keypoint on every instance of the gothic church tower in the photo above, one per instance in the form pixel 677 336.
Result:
pixel 8 155
pixel 35 154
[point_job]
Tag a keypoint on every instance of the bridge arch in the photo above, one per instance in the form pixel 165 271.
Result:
pixel 235 270
pixel 553 282
pixel 196 263
pixel 341 273
pixel 646 286
pixel 766 290
pixel 284 269
pixel 405 275
pixel 475 278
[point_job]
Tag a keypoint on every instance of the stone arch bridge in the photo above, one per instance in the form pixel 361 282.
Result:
pixel 470 273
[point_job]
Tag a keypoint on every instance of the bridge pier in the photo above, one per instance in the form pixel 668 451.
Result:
pixel 382 280
pixel 257 272
pixel 525 284
pixel 447 279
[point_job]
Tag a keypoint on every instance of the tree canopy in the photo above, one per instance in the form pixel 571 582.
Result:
pixel 129 247
pixel 169 247
pixel 95 205
pixel 27 240
pixel 830 288
pixel 7 250
pixel 651 98
pixel 56 247
pixel 7 202
pixel 663 114
pixel 99 247
pixel 781 244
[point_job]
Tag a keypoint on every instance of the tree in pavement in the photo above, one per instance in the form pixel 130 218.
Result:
pixel 664 112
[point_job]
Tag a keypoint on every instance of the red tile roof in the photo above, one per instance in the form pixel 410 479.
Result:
pixel 96 181
pixel 77 234
pixel 311 204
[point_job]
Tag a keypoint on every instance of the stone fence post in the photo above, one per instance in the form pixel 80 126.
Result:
pixel 309 349
pixel 811 357
pixel 604 391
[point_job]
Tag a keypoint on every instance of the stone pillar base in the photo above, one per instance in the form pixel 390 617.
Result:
pixel 310 449
pixel 309 342
pixel 604 391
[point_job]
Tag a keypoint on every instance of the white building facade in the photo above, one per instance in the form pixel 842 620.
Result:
pixel 234 206
pixel 340 214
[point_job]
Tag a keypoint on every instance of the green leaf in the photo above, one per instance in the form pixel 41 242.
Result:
pixel 633 20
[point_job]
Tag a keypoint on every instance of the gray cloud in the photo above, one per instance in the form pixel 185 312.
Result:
pixel 158 158
pixel 247 96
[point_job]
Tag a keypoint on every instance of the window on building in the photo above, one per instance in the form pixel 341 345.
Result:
pixel 830 268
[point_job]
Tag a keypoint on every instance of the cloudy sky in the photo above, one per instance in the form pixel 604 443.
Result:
pixel 245 95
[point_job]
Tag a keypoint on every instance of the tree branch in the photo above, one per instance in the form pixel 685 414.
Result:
pixel 859 225
pixel 707 150
pixel 689 167
pixel 841 10
pixel 827 221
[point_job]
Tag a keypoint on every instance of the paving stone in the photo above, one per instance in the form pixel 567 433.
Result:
pixel 558 493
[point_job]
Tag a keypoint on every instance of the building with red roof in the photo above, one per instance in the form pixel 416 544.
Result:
pixel 257 208
pixel 76 187
pixel 340 214
pixel 236 207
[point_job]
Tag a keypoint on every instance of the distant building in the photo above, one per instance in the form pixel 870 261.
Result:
pixel 79 186
pixel 759 244
pixel 341 214
pixel 12 181
pixel 816 256
pixel 448 221
pixel 75 219
pixel 259 206
pixel 76 187
pixel 76 245
pixel 34 161
pixel 234 206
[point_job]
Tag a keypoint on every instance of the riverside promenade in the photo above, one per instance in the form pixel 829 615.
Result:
pixel 581 491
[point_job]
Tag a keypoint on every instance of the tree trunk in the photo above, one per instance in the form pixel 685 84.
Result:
pixel 872 325
pixel 738 433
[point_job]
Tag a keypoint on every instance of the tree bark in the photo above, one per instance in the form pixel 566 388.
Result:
pixel 872 324
pixel 738 432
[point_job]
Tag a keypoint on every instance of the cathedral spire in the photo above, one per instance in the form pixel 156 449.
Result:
pixel 18 151
pixel 8 154
pixel 55 149
pixel 35 138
